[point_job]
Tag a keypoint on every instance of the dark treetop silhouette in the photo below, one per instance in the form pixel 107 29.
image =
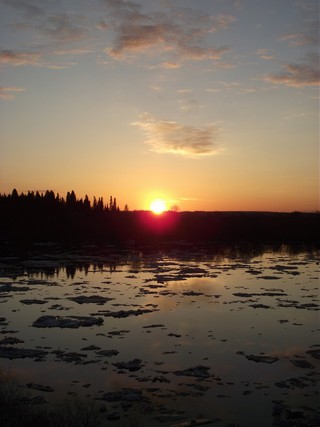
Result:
pixel 43 217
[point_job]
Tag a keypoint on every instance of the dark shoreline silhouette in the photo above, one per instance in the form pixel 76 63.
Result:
pixel 33 217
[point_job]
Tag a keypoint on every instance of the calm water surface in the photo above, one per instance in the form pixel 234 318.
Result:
pixel 172 311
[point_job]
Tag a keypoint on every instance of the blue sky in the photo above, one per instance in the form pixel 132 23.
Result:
pixel 210 105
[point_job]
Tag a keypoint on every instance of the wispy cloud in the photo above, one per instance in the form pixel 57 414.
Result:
pixel 56 29
pixel 187 103
pixel 199 53
pixel 245 91
pixel 170 65
pixel 171 137
pixel 265 54
pixel 78 51
pixel 8 93
pixel 299 39
pixel 39 16
pixel 308 33
pixel 297 75
pixel 28 7
pixel 63 27
pixel 180 32
pixel 170 34
pixel 45 35
pixel 18 58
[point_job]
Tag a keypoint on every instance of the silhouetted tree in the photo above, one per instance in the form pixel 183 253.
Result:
pixel 100 206
pixel 86 203
pixel 113 204
pixel 71 199
pixel 14 194
pixel 94 206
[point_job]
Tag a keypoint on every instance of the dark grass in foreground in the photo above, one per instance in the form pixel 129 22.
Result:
pixel 18 409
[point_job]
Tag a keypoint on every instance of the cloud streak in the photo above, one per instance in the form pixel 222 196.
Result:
pixel 297 75
pixel 265 54
pixel 40 16
pixel 8 93
pixel 29 7
pixel 181 32
pixel 19 58
pixel 63 28
pixel 171 137
pixel 171 34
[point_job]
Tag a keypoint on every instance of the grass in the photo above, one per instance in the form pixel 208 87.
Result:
pixel 19 409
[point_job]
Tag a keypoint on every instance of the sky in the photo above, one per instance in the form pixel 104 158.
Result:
pixel 207 104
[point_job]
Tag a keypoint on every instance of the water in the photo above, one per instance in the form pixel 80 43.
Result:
pixel 172 310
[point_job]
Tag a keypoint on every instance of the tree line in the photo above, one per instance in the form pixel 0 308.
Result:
pixel 32 217
pixel 48 199
pixel 46 216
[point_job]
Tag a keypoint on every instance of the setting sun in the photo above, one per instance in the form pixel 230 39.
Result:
pixel 158 206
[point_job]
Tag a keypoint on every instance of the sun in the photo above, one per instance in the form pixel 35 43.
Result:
pixel 158 206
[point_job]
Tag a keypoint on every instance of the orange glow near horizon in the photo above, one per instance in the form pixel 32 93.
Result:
pixel 158 206
pixel 120 113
